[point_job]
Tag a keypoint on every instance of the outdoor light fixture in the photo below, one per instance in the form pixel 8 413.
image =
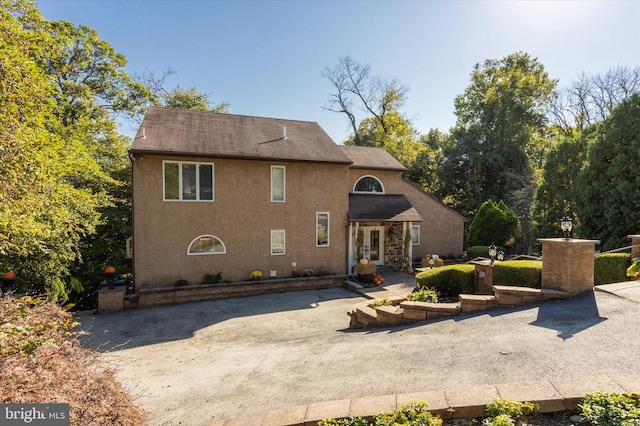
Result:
pixel 500 256
pixel 566 224
pixel 492 252
pixel 432 261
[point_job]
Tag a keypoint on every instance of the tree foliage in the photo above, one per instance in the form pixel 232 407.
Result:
pixel 590 98
pixel 493 223
pixel 423 171
pixel 177 97
pixel 554 196
pixel 356 89
pixel 607 190
pixel 500 115
pixel 59 87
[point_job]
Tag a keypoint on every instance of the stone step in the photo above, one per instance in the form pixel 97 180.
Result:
pixel 476 302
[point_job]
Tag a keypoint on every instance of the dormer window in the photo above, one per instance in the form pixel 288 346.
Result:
pixel 368 184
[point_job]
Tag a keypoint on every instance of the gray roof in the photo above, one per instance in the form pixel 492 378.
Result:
pixel 366 157
pixel 210 134
pixel 377 207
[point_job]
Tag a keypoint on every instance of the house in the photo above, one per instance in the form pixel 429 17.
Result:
pixel 230 194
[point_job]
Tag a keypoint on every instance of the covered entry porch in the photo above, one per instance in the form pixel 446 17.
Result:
pixel 380 230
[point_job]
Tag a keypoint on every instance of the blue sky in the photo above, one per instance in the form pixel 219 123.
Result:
pixel 266 57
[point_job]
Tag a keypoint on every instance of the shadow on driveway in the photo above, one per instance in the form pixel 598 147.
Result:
pixel 141 327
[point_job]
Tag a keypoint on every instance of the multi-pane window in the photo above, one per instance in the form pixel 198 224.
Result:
pixel 278 181
pixel 415 235
pixel 369 184
pixel 277 241
pixel 322 229
pixel 187 181
pixel 206 244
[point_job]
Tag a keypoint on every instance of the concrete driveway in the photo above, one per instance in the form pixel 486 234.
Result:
pixel 196 363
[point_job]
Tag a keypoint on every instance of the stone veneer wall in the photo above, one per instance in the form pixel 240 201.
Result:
pixel 393 247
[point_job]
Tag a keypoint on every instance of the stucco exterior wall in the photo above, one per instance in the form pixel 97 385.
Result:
pixel 441 232
pixel 242 217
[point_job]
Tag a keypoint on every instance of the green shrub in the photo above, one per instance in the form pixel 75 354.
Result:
pixel 429 295
pixel 633 271
pixel 413 414
pixel 213 278
pixel 448 281
pixel 522 273
pixel 611 409
pixel 493 222
pixel 380 302
pixel 611 268
pixel 351 421
pixel 477 251
pixel 511 408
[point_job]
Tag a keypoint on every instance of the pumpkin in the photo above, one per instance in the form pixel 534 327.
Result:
pixel 364 261
pixel 109 270
pixel 9 275
pixel 410 271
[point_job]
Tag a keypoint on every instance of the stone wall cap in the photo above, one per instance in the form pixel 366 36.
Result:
pixel 570 241
pixel 633 236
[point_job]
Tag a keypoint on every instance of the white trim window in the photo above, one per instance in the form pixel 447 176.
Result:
pixel 278 183
pixel 322 229
pixel 206 244
pixel 368 185
pixel 277 242
pixel 187 181
pixel 415 235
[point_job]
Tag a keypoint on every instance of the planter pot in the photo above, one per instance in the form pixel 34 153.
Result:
pixel 365 278
pixel 7 284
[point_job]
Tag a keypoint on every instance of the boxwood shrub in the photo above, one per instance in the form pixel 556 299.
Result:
pixel 448 281
pixel 477 251
pixel 522 273
pixel 611 268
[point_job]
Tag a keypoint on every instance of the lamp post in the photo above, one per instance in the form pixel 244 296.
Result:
pixel 492 252
pixel 566 224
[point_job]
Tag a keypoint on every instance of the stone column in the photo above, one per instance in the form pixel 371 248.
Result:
pixel 635 251
pixel 483 277
pixel 111 300
pixel 568 265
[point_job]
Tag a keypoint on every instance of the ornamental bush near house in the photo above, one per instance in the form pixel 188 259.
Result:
pixel 478 251
pixel 521 273
pixel 448 281
pixel 611 268
pixel 428 295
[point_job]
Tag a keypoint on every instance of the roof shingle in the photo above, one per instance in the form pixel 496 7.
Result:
pixel 366 157
pixel 210 134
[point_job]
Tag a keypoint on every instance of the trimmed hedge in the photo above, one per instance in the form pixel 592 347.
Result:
pixel 448 281
pixel 522 273
pixel 611 268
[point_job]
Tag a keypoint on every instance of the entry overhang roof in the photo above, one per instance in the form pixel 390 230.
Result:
pixel 383 208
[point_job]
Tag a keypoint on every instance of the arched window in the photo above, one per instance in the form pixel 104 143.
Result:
pixel 206 244
pixel 369 184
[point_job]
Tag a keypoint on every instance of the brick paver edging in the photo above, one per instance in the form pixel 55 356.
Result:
pixel 552 396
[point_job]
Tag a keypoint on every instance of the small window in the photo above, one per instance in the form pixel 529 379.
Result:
pixel 369 184
pixel 277 183
pixel 187 181
pixel 206 244
pixel 277 242
pixel 322 229
pixel 415 235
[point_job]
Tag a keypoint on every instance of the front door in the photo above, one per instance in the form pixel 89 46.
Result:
pixel 374 244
